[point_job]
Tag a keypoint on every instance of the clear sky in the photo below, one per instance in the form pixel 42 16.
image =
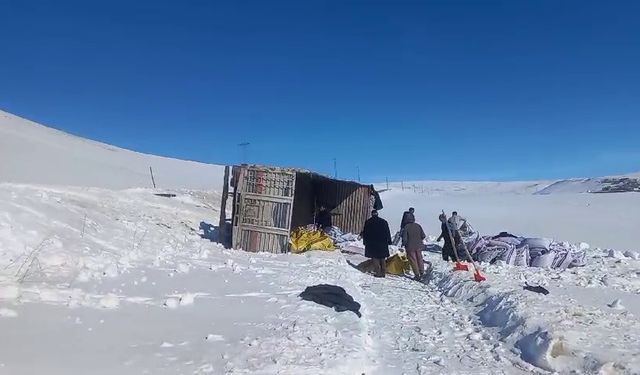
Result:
pixel 447 89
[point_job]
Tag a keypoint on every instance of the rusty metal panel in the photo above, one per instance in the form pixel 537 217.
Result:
pixel 264 207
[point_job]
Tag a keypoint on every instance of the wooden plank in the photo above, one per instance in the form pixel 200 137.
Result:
pixel 270 198
pixel 293 190
pixel 222 225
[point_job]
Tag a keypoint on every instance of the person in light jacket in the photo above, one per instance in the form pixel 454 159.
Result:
pixel 412 238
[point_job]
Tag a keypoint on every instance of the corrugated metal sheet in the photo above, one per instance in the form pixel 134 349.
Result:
pixel 349 202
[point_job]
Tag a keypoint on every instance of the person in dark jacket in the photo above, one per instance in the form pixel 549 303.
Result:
pixel 377 238
pixel 447 249
pixel 412 237
pixel 406 216
pixel 323 219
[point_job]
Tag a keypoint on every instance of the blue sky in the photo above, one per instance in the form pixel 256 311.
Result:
pixel 444 89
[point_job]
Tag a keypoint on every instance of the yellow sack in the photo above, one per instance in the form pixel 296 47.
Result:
pixel 303 239
pixel 398 263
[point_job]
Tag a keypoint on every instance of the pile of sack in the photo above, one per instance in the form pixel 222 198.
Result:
pixel 523 251
pixel 396 264
pixel 309 238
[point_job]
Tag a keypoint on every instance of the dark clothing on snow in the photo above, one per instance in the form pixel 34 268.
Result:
pixel 412 237
pixel 376 237
pixel 323 219
pixel 331 296
pixel 407 217
pixel 536 289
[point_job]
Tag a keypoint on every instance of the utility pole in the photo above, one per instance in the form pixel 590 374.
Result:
pixel 244 146
pixel 358 168
pixel 335 168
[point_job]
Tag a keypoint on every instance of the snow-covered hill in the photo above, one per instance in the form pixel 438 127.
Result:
pixel 32 153
pixel 614 184
pixel 458 188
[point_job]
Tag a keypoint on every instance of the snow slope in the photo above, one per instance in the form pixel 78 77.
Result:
pixel 32 153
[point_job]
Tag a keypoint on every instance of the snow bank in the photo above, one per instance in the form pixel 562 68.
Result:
pixel 554 332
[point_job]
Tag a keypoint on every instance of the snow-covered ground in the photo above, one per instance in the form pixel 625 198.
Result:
pixel 97 281
pixel 32 153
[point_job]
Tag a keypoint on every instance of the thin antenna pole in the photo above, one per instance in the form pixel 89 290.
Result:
pixel 335 168
pixel 244 146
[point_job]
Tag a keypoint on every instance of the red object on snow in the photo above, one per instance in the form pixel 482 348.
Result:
pixel 477 276
pixel 460 267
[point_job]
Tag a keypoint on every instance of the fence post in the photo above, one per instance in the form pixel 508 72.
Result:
pixel 152 179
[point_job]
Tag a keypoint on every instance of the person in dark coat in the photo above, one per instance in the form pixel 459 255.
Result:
pixel 412 237
pixel 377 238
pixel 407 217
pixel 447 249
pixel 323 219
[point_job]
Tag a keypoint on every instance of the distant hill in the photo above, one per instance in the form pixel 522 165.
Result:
pixel 33 153
pixel 613 184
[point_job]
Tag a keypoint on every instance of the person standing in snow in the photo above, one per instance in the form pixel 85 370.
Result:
pixel 447 249
pixel 406 217
pixel 377 238
pixel 456 225
pixel 412 237
pixel 323 219
pixel 456 222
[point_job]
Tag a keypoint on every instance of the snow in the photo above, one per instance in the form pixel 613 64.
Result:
pixel 32 153
pixel 7 313
pixel 114 279
pixel 134 288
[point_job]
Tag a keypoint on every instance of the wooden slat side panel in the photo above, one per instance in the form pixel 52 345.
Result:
pixel 255 241
pixel 264 212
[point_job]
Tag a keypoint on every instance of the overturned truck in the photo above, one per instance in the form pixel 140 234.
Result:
pixel 270 202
